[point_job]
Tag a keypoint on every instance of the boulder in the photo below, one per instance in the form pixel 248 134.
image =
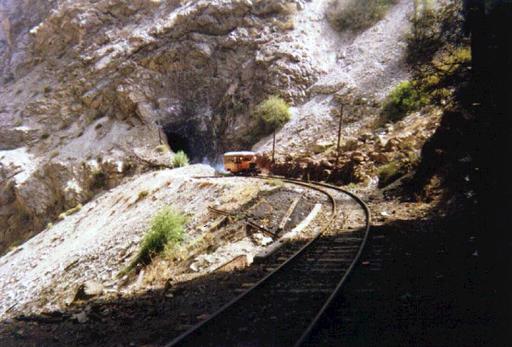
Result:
pixel 321 146
pixel 88 290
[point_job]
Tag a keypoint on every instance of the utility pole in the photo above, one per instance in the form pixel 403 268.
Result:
pixel 339 136
pixel 159 128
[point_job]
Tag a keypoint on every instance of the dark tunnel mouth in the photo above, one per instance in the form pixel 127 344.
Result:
pixel 178 142
pixel 197 145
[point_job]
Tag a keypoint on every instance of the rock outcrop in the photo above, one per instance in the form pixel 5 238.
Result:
pixel 89 89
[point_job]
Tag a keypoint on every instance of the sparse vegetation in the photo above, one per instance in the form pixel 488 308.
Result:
pixel 272 113
pixel 389 173
pixel 357 15
pixel 70 211
pixel 288 24
pixel 276 183
pixel 45 136
pixel 432 84
pixel 99 180
pixel 54 154
pixel 433 28
pixel 398 168
pixel 142 195
pixel 166 231
pixel 405 98
pixel 162 149
pixel 180 159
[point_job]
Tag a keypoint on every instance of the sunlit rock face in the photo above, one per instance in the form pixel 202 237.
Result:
pixel 17 18
pixel 89 89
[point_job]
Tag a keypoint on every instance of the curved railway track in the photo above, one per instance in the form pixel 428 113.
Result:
pixel 284 307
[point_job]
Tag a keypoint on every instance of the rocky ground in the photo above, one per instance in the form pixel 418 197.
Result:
pixel 87 250
pixel 90 90
pixel 93 243
pixel 359 71
pixel 96 95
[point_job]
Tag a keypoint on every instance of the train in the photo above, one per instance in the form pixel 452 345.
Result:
pixel 241 163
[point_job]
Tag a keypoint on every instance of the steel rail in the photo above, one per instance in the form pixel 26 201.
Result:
pixel 334 214
pixel 189 332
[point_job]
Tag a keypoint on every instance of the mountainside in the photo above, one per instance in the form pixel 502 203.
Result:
pixel 119 224
pixel 90 89
pixel 94 91
pixel 88 84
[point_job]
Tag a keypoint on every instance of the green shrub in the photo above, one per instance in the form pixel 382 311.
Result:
pixel 142 195
pixel 390 173
pixel 433 28
pixel 405 98
pixel 166 231
pixel 357 15
pixel 180 159
pixel 272 113
pixel 99 180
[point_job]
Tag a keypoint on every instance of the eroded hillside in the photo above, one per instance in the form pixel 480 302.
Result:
pixel 92 88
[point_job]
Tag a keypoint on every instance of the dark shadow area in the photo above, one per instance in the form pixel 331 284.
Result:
pixel 187 137
pixel 177 142
pixel 422 283
pixel 471 148
pixel 151 318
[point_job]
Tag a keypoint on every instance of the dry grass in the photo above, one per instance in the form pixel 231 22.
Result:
pixel 357 15
pixel 180 159
pixel 166 231
pixel 70 211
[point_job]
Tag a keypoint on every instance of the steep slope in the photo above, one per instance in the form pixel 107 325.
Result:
pixel 96 86
pixel 359 71
pixel 91 89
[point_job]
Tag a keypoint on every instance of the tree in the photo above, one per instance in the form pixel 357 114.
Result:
pixel 273 113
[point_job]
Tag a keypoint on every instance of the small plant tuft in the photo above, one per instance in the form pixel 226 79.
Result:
pixel 99 180
pixel 166 231
pixel 142 195
pixel 389 173
pixel 180 159
pixel 272 113
pixel 70 212
pixel 162 149
pixel 275 182
pixel 405 98
pixel 357 15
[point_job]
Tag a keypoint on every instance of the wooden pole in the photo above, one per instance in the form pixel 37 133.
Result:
pixel 339 136
pixel 274 148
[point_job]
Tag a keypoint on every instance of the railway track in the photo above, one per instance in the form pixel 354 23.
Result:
pixel 284 307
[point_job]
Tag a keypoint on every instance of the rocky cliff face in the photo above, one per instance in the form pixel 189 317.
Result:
pixel 90 88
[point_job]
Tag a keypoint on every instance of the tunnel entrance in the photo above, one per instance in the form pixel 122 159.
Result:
pixel 178 142
pixel 189 139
